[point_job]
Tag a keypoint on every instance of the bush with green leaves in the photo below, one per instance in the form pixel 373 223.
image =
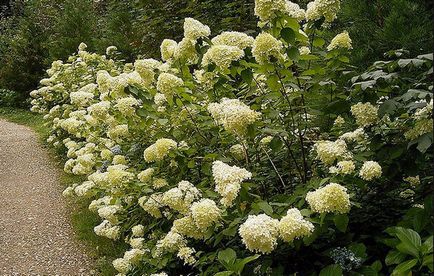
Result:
pixel 236 155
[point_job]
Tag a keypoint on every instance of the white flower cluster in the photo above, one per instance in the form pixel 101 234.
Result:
pixel 181 197
pixel 159 150
pixel 265 47
pixel 236 39
pixel 222 56
pixel 370 170
pixel 233 114
pixel 106 229
pixel 168 83
pixel 328 151
pixel 330 198
pixel 228 181
pixel 366 114
pixel 193 29
pixel 323 8
pixel 260 232
pixel 341 41
pixel 343 167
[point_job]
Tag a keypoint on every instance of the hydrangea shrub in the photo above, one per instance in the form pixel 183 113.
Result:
pixel 236 154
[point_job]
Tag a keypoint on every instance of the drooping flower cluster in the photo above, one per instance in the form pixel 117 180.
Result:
pixel 342 41
pixel 237 39
pixel 181 197
pixel 322 8
pixel 193 29
pixel 159 150
pixel 293 226
pixel 343 167
pixel 365 113
pixel 222 56
pixel 328 151
pixel 205 213
pixel 370 170
pixel 332 198
pixel 266 9
pixel 259 233
pixel 228 181
pixel 233 114
pixel 168 83
pixel 266 47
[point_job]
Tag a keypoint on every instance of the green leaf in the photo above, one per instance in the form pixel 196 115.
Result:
pixel 427 246
pixel 273 82
pixel 410 241
pixel 341 222
pixel 241 263
pixel 394 257
pixel 227 256
pixel 264 206
pixel 331 270
pixel 247 75
pixel 224 273
pixel 404 267
pixel 318 42
pixel 288 35
pixel 377 266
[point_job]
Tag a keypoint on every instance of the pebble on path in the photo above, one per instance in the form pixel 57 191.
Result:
pixel 36 237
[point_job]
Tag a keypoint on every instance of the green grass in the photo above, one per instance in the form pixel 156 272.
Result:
pixel 100 249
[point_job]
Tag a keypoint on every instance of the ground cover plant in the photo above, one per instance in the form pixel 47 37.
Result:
pixel 239 154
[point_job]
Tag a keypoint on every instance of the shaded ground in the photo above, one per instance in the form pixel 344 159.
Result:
pixel 36 237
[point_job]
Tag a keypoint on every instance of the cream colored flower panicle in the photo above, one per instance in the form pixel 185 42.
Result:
pixel 343 167
pixel 186 254
pixel 146 68
pixel 294 11
pixel 180 198
pixel 294 226
pixel 168 48
pixel 167 83
pixel 127 106
pixel 159 150
pixel 152 204
pixel 106 229
pixel 228 181
pixel 342 41
pixel 146 175
pixel 327 8
pixel 121 265
pixel 328 151
pixel 414 181
pixel 370 170
pixel 266 9
pixel 304 50
pixel 172 242
pixel 186 51
pixel 238 151
pixel 138 230
pixel 265 47
pixel 332 198
pixel 194 29
pixel 188 228
pixel 259 233
pixel 233 114
pixel 222 56
pixel 237 39
pixel 365 113
pixel 160 99
pixel 99 110
pixel 205 213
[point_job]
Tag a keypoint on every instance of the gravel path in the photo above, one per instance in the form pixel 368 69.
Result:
pixel 36 237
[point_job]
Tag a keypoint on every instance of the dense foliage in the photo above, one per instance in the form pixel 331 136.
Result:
pixel 236 155
pixel 34 33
